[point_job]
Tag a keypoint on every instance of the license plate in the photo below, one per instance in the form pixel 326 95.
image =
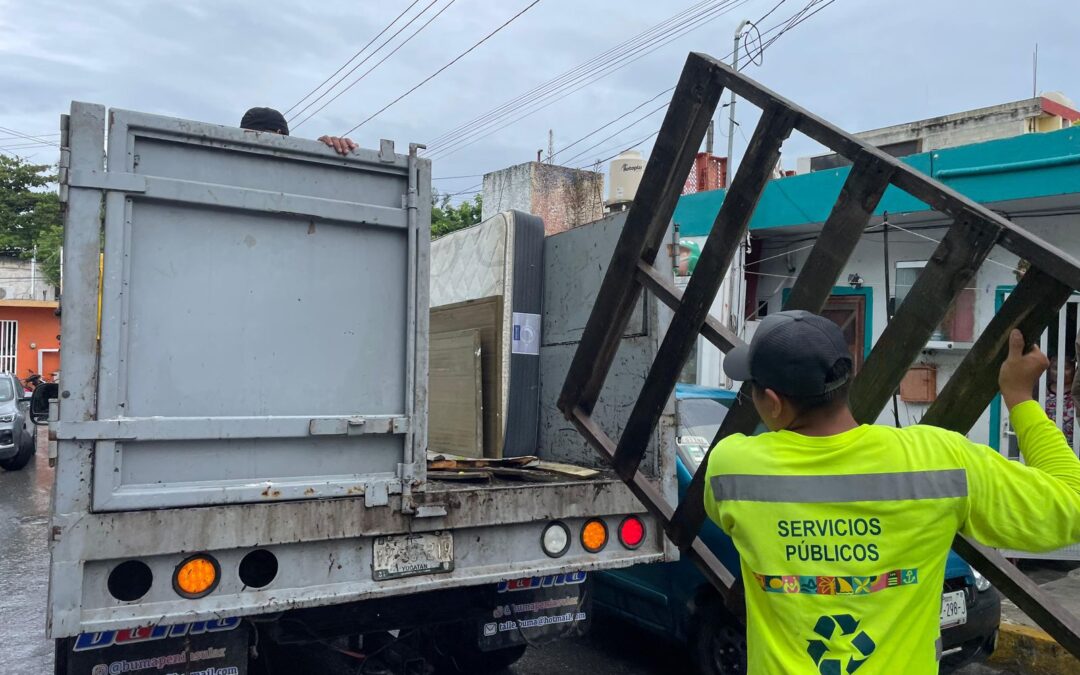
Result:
pixel 953 609
pixel 411 555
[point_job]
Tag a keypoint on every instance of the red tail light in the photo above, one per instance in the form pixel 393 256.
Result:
pixel 631 532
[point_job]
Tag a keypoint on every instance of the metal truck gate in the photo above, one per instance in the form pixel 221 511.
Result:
pixel 975 230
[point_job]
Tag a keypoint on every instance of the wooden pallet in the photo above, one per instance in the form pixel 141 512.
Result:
pixel 975 230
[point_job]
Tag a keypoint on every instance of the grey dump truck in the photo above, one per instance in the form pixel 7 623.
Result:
pixel 240 431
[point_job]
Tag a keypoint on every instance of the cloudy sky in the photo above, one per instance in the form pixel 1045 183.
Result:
pixel 859 63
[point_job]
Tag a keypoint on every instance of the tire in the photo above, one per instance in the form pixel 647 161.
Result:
pixel 719 641
pixel 22 457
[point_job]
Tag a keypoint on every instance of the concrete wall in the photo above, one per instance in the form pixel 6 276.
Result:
pixel 776 274
pixel 20 280
pixel 563 197
pixel 38 337
pixel 975 126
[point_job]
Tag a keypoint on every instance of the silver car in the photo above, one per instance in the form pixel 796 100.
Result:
pixel 16 432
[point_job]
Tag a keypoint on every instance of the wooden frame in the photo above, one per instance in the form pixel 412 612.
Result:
pixel 974 232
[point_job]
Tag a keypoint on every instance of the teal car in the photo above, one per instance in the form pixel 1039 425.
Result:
pixel 674 599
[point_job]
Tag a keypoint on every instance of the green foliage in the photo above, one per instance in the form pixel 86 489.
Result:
pixel 30 215
pixel 447 218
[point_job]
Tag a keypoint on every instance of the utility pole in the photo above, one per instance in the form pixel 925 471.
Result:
pixel 709 138
pixel 551 145
pixel 731 104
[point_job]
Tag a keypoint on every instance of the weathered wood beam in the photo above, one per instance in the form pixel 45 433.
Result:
pixel 688 115
pixel 727 234
pixel 1032 306
pixel 1028 595
pixel 711 567
pixel 722 337
pixel 950 269
pixel 841 233
pixel 1059 264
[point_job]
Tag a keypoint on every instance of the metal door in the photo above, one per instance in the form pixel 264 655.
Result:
pixel 262 318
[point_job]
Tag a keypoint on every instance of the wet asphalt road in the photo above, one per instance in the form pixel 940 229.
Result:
pixel 611 648
pixel 24 566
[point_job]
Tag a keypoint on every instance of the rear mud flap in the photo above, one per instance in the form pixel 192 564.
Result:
pixel 538 610
pixel 200 648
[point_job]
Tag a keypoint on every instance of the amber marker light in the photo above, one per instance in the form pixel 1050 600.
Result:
pixel 594 535
pixel 196 577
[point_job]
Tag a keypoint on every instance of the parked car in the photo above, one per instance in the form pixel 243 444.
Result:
pixel 16 432
pixel 675 600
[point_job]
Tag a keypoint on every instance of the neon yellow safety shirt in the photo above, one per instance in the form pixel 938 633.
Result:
pixel 844 538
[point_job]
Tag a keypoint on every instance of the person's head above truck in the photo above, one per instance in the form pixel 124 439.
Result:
pixel 265 119
pixel 799 365
pixel 272 121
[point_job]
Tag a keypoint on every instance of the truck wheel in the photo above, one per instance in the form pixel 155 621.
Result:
pixel 719 641
pixel 472 661
pixel 22 457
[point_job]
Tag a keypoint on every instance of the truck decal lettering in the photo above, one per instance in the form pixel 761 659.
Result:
pixel 87 641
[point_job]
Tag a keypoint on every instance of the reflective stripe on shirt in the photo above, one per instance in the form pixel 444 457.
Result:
pixel 835 489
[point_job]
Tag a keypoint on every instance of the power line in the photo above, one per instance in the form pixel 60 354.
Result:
pixel 471 175
pixel 605 140
pixel 8 138
pixel 352 58
pixel 436 73
pixel 784 26
pixel 582 81
pixel 622 116
pixel 558 80
pixel 622 149
pixel 19 134
pixel 369 70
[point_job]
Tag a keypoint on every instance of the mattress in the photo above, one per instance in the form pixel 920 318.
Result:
pixel 501 257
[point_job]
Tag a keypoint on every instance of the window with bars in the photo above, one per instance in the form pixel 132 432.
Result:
pixel 9 340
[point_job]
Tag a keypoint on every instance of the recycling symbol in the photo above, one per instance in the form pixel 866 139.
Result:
pixel 842 647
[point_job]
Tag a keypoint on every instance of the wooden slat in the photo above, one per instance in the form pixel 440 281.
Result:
pixel 692 105
pixel 1057 263
pixel 1028 596
pixel 711 567
pixel 841 233
pixel 1032 306
pixel 727 233
pixel 950 269
pixel 712 330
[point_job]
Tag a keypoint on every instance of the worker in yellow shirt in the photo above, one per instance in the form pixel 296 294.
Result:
pixel 844 529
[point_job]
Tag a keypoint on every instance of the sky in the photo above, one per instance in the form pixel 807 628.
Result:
pixel 861 64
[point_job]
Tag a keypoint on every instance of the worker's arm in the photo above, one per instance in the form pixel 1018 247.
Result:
pixel 1034 507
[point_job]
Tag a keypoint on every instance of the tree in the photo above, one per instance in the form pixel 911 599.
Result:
pixel 30 215
pixel 447 218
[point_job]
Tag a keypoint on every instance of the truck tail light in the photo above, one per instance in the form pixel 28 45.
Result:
pixel 196 576
pixel 594 535
pixel 631 532
pixel 556 539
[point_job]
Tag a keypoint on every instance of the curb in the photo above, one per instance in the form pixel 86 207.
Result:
pixel 1031 650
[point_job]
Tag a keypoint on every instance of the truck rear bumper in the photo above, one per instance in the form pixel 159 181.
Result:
pixel 324 551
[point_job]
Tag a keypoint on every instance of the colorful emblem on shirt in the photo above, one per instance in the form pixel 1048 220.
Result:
pixel 829 585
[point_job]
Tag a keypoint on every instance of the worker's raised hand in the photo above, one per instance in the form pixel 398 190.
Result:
pixel 1020 372
pixel 342 146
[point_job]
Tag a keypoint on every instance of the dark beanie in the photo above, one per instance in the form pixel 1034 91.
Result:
pixel 265 119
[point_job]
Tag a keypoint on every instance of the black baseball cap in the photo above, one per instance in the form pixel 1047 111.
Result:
pixel 791 353
pixel 265 119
